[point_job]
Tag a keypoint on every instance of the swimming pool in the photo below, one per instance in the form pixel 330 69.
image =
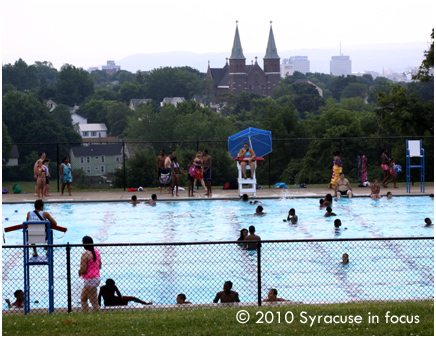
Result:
pixel 301 271
pixel 191 221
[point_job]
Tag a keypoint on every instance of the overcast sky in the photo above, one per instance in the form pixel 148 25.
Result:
pixel 87 33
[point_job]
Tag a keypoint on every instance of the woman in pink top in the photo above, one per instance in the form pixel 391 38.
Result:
pixel 90 265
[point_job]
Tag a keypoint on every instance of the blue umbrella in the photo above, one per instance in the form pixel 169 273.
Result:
pixel 259 140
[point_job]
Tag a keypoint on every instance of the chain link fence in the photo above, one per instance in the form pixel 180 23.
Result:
pixel 301 271
pixel 133 164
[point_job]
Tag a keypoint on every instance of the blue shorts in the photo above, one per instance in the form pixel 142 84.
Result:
pixel 207 175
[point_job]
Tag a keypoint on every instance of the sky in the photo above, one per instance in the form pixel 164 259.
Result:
pixel 87 33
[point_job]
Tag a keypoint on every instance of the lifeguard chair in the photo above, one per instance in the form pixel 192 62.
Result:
pixel 37 232
pixel 415 149
pixel 250 181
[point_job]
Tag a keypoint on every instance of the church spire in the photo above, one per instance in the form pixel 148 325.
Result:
pixel 237 47
pixel 271 50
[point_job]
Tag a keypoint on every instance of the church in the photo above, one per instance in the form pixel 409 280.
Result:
pixel 236 76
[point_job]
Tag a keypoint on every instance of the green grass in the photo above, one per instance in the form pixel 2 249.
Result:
pixel 222 321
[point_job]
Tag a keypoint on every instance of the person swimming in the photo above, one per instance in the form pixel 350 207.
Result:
pixel 329 212
pixel 292 216
pixel 345 259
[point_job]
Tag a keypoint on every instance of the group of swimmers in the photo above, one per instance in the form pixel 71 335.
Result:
pixel 151 202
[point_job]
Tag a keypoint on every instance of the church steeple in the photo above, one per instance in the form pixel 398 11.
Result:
pixel 237 47
pixel 271 50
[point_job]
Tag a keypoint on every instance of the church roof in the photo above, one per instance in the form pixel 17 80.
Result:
pixel 237 47
pixel 220 75
pixel 271 50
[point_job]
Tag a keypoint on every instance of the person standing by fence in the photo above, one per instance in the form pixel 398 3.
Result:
pixel 90 265
pixel 66 177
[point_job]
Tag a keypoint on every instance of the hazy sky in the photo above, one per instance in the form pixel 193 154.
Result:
pixel 87 33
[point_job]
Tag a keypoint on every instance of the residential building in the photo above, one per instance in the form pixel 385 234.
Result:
pixel 236 76
pixel 340 65
pixel 51 104
pixel 172 100
pixel 91 130
pixel 136 102
pixel 295 64
pixel 97 159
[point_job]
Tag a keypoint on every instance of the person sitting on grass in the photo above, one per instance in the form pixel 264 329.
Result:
pixel 227 296
pixel 272 297
pixel 153 200
pixel 427 222
pixel 134 200
pixel 181 299
pixel 108 293
pixel 292 216
pixel 329 212
pixel 19 301
pixel 259 211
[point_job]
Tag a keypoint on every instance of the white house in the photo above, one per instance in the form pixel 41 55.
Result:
pixel 50 104
pixel 91 130
pixel 173 100
pixel 136 102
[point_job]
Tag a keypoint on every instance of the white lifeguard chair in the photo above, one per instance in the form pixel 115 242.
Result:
pixel 252 182
pixel 415 149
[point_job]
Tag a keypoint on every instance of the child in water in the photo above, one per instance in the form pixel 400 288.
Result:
pixel 345 259
pixel 292 216
pixel 329 212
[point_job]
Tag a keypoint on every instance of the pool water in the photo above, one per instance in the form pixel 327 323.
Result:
pixel 307 272
pixel 197 221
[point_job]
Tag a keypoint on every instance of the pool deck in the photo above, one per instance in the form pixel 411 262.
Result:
pixel 117 196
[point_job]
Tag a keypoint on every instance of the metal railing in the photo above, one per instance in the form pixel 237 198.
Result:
pixel 302 271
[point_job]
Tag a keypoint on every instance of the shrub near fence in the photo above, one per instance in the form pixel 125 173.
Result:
pixel 308 271
pixel 293 161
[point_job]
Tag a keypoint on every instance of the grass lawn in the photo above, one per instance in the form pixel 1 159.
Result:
pixel 222 321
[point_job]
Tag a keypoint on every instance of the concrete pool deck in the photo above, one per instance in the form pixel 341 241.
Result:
pixel 116 196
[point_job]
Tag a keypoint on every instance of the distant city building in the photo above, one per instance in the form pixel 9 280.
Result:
pixel 366 72
pixel 295 64
pixel 91 69
pixel 111 67
pixel 340 65
pixel 236 76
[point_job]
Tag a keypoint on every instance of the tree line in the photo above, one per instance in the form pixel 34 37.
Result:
pixel 351 106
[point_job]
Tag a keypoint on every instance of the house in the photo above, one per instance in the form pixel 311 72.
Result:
pixel 136 102
pixel 13 160
pixel 76 117
pixel 51 104
pixel 318 88
pixel 172 100
pixel 97 159
pixel 91 130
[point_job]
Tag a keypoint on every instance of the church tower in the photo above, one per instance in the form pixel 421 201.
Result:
pixel 237 73
pixel 271 64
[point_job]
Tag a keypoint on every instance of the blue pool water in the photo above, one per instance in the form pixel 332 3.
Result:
pixel 307 272
pixel 222 220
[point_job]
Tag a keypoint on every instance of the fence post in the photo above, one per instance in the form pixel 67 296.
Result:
pixel 68 248
pixel 58 165
pixel 269 171
pixel 259 294
pixel 124 166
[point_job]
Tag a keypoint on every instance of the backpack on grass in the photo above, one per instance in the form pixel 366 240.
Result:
pixel 16 188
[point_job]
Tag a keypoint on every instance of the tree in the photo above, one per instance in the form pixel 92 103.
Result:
pixel 62 115
pixel 6 144
pixel 30 121
pixel 20 75
pixel 354 90
pixel 46 73
pixel 103 94
pixel 131 90
pixel 405 114
pixel 73 85
pixel 381 84
pixel 427 64
pixel 171 82
pixel 116 116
